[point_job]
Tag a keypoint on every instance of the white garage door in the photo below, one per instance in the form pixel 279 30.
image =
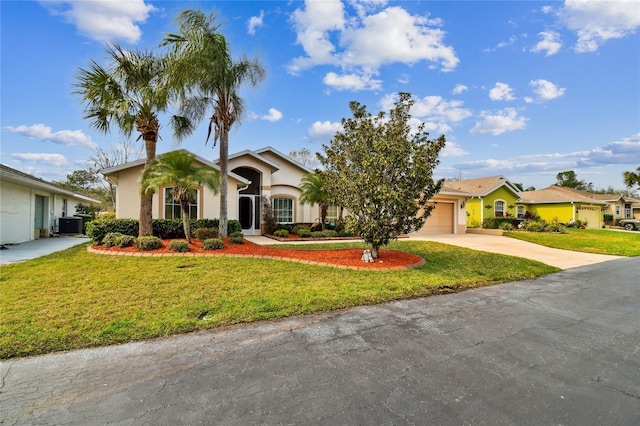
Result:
pixel 440 221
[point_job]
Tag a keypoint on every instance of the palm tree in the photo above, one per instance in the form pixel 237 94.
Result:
pixel 130 93
pixel 314 192
pixel 177 169
pixel 203 65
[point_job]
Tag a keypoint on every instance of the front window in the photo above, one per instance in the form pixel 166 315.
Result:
pixel 172 209
pixel 283 210
pixel 65 207
pixel 499 208
pixel 520 212
pixel 332 213
pixel 618 210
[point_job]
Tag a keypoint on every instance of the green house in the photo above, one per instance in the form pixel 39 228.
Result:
pixel 492 196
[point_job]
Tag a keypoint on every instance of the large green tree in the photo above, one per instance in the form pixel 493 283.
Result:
pixel 131 92
pixel 178 170
pixel 314 191
pixel 569 179
pixel 632 179
pixel 204 66
pixel 381 171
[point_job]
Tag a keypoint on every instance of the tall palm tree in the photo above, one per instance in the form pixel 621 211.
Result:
pixel 178 169
pixel 203 65
pixel 130 93
pixel 314 191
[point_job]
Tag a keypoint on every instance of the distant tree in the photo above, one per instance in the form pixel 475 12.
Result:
pixel 83 181
pixel 568 179
pixel 314 191
pixel 530 188
pixel 302 156
pixel 203 65
pixel 518 185
pixel 178 169
pixel 632 179
pixel 381 171
pixel 131 93
pixel 117 154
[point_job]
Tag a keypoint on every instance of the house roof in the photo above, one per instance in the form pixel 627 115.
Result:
pixel 559 194
pixel 10 174
pixel 448 190
pixel 611 198
pixel 253 154
pixel 481 187
pixel 110 170
pixel 284 157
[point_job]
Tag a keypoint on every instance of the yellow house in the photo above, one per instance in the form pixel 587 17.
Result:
pixel 564 205
pixel 493 196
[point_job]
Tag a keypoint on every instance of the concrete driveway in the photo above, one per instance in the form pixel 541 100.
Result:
pixel 563 349
pixel 37 248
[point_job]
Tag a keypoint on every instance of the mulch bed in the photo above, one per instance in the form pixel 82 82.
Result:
pixel 341 258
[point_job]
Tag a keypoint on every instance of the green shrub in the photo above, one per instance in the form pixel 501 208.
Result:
pixel 125 240
pixel 213 244
pixel 148 243
pixel 346 233
pixel 535 225
pixel 324 234
pixel 179 246
pixel 496 222
pixel 203 234
pixel 506 226
pixel 608 218
pixel 236 238
pixel 109 240
pixel 98 229
pixel 298 227
pixel 281 233
pixel 304 233
pixel 556 227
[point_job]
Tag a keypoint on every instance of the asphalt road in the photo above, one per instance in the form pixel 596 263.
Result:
pixel 559 350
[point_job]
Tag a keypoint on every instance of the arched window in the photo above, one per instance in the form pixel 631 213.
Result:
pixel 498 208
pixel 172 209
pixel 283 209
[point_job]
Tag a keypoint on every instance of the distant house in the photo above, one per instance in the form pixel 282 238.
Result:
pixel 565 205
pixel 32 207
pixel 493 196
pixel 261 173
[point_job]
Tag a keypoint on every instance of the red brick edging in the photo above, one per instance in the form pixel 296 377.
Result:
pixel 90 249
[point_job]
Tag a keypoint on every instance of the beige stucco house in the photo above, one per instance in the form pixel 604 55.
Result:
pixel 264 172
pixel 33 208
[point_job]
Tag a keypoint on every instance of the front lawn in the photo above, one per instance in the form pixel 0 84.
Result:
pixel 74 299
pixel 600 241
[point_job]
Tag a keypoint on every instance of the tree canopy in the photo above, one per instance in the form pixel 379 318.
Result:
pixel 381 171
pixel 632 179
pixel 569 179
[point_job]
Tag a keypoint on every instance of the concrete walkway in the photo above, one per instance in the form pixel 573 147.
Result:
pixel 38 248
pixel 563 259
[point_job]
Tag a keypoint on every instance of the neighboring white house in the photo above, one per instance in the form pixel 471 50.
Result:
pixel 253 174
pixel 32 207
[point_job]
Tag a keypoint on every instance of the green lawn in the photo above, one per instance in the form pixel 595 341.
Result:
pixel 600 241
pixel 74 299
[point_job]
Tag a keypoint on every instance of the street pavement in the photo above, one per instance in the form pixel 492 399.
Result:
pixel 563 349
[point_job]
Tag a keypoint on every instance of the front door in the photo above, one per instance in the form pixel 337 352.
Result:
pixel 249 214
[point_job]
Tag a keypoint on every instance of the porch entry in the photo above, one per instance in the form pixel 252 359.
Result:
pixel 249 211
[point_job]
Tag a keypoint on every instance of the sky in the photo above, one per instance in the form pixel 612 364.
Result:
pixel 523 89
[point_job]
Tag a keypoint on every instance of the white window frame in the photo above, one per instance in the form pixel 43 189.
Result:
pixel 333 212
pixel 524 211
pixel 193 207
pixel 65 207
pixel 282 214
pixel 495 208
pixel 618 210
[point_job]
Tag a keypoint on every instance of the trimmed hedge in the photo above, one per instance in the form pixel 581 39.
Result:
pixel 496 222
pixel 162 228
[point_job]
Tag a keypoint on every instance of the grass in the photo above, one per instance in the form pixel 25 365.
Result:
pixel 74 299
pixel 587 240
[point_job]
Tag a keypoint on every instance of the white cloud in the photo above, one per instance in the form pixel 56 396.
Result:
pixel 63 137
pixel 255 22
pixel 361 44
pixel 103 20
pixel 546 90
pixel 273 116
pixel 595 22
pixel 501 92
pixel 502 44
pixel 57 160
pixel 452 149
pixel 625 151
pixel 550 43
pixel 352 82
pixel 506 120
pixel 324 129
pixel 459 89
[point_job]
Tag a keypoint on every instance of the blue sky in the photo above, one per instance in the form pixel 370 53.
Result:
pixel 523 89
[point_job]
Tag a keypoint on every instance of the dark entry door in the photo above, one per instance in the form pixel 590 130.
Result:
pixel 246 212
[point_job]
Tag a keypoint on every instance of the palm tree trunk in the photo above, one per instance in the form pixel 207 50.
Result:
pixel 146 201
pixel 224 177
pixel 185 220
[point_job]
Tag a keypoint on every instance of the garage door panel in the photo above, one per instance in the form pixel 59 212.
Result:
pixel 440 221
